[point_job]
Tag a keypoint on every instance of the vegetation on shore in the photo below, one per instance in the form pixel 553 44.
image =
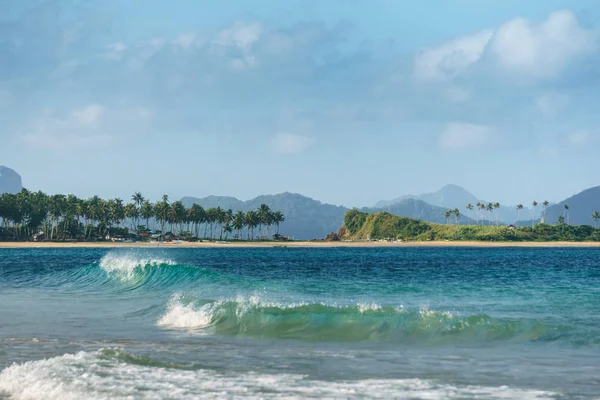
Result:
pixel 38 216
pixel 384 226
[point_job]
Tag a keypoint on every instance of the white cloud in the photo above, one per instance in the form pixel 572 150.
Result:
pixel 543 49
pixel 459 136
pixel 115 51
pixel 89 115
pixel 185 40
pixel 241 35
pixel 287 143
pixel 579 137
pixel 520 46
pixel 87 127
pixel 451 58
pixel 551 104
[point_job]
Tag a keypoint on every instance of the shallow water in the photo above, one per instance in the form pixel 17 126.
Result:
pixel 298 323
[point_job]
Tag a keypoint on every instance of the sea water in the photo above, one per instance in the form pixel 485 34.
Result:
pixel 414 323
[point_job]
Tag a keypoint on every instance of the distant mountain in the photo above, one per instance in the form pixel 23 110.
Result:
pixel 10 181
pixel 450 196
pixel 454 196
pixel 418 209
pixel 581 208
pixel 305 218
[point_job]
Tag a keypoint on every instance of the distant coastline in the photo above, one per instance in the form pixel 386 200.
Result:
pixel 294 244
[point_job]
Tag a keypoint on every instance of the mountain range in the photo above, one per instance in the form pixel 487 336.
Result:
pixel 306 218
pixel 10 181
pixel 454 196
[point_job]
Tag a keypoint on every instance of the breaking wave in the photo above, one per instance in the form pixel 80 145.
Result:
pixel 116 374
pixel 251 316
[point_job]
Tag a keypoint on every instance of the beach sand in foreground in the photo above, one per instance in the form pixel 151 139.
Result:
pixel 292 244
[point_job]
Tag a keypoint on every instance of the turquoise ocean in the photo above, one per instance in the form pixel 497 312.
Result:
pixel 284 323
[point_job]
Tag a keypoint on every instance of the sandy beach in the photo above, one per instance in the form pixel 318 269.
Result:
pixel 291 244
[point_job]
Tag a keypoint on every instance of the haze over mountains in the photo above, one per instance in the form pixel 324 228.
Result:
pixel 10 181
pixel 454 196
pixel 307 218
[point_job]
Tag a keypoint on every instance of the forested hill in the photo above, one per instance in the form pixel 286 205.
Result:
pixel 10 181
pixel 306 218
pixel 579 208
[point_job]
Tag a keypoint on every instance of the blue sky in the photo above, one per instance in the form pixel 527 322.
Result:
pixel 348 102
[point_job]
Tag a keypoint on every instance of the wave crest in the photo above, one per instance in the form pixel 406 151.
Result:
pixel 128 266
pixel 111 374
pixel 251 316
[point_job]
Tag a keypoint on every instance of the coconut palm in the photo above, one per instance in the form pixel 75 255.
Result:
pixel 252 221
pixel 132 212
pixel 264 216
pixel 533 206
pixel 278 218
pixel 196 215
pixel 447 214
pixel 239 223
pixel 469 209
pixel 496 207
pixel 546 203
pixel 147 212
pixel 456 213
pixel 479 215
pixel 519 208
pixel 596 217
pixel 489 207
pixel 566 213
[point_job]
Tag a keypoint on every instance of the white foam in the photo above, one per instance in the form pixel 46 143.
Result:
pixel 181 316
pixel 364 307
pixel 123 266
pixel 90 376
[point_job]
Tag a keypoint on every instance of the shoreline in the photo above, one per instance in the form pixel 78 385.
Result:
pixel 297 244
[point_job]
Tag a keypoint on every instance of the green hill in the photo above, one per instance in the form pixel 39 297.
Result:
pixel 305 218
pixel 362 226
pixel 581 207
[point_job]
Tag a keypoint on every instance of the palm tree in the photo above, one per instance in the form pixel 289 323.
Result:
pixel 239 221
pixel 496 207
pixel 490 208
pixel 251 222
pixel 147 212
pixel 533 206
pixel 196 215
pixel 227 218
pixel 479 208
pixel 596 217
pixel 278 218
pixel 566 213
pixel 545 204
pixel 519 208
pixel 138 199
pixel 132 212
pixel 264 216
pixel 456 213
pixel 469 208
pixel 447 214
pixel 179 214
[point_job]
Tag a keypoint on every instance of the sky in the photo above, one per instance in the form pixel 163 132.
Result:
pixel 348 102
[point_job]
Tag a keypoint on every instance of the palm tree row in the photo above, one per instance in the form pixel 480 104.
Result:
pixel 63 217
pixel 490 207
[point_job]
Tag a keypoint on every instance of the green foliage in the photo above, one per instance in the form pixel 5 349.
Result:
pixel 361 226
pixel 37 216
